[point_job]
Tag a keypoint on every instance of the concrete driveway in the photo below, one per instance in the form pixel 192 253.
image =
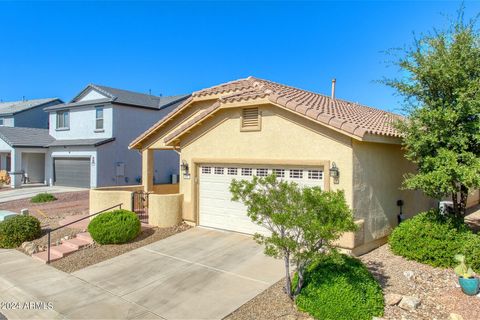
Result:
pixel 29 191
pixel 197 274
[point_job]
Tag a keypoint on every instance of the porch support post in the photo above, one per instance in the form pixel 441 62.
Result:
pixel 16 169
pixel 147 169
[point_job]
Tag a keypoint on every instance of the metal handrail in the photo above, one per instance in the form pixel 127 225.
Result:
pixel 70 223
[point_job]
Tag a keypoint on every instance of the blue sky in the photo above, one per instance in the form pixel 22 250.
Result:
pixel 56 48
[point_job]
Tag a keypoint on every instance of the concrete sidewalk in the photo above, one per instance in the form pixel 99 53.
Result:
pixel 196 274
pixel 30 191
pixel 25 282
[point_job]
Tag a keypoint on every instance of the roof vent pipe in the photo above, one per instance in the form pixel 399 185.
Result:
pixel 333 87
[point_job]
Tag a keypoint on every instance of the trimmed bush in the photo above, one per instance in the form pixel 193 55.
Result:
pixel 14 231
pixel 434 239
pixel 43 197
pixel 114 227
pixel 340 287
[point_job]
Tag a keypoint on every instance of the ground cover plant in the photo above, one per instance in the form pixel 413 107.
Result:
pixel 340 287
pixel 43 197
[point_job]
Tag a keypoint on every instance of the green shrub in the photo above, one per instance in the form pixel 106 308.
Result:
pixel 471 250
pixel 340 287
pixel 434 239
pixel 114 227
pixel 43 197
pixel 18 229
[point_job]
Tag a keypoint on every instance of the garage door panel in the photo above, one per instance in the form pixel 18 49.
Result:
pixel 216 208
pixel 72 172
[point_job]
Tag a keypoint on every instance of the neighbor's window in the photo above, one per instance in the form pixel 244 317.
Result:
pixel 63 120
pixel 99 118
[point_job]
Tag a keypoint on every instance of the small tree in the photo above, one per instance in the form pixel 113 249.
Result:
pixel 303 222
pixel 441 87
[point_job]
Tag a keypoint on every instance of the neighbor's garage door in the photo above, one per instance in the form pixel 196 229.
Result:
pixel 72 172
pixel 216 208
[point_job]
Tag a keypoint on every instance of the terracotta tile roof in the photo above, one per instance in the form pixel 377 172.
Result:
pixel 352 118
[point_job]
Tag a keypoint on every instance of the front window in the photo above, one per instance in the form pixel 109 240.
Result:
pixel 63 120
pixel 99 118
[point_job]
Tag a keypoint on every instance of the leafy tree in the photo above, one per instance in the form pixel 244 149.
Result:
pixel 303 222
pixel 441 134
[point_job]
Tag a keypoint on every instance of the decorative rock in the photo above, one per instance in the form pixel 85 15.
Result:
pixel 30 248
pixel 454 316
pixel 408 274
pixel 24 212
pixel 409 303
pixel 392 299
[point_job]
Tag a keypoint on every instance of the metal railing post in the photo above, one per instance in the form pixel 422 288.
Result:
pixel 48 246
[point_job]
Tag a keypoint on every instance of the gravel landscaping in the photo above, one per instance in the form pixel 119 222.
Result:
pixel 50 213
pixel 271 304
pixel 98 253
pixel 437 289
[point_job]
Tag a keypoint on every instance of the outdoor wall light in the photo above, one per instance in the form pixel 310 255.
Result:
pixel 334 173
pixel 184 168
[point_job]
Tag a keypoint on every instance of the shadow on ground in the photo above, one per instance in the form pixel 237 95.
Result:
pixel 377 269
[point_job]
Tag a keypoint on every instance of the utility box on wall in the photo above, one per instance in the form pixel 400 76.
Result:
pixel 120 169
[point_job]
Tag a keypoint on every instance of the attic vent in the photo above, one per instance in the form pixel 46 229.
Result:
pixel 250 119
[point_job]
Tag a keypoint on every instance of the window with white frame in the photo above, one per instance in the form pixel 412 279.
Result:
pixel 232 171
pixel 206 170
pixel 262 172
pixel 315 174
pixel 219 170
pixel 280 173
pixel 99 118
pixel 247 171
pixel 2 121
pixel 63 119
pixel 296 173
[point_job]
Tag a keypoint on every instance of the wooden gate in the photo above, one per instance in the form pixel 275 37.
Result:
pixel 140 205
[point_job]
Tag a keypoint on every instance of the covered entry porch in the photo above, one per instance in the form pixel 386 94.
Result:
pixel 158 205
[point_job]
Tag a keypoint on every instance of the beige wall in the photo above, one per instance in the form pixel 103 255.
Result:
pixel 284 138
pixel 378 171
pixel 165 188
pixel 101 199
pixel 165 210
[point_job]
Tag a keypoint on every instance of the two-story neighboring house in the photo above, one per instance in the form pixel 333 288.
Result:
pixel 16 117
pixel 92 132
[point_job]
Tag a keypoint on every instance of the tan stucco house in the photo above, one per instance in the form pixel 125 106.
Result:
pixel 254 127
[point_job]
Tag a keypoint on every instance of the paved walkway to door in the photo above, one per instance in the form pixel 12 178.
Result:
pixel 196 274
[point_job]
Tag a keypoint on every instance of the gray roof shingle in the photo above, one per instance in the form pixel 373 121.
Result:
pixel 121 96
pixel 25 137
pixel 80 142
pixel 139 99
pixel 12 107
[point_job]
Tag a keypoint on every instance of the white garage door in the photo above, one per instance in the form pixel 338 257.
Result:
pixel 216 208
